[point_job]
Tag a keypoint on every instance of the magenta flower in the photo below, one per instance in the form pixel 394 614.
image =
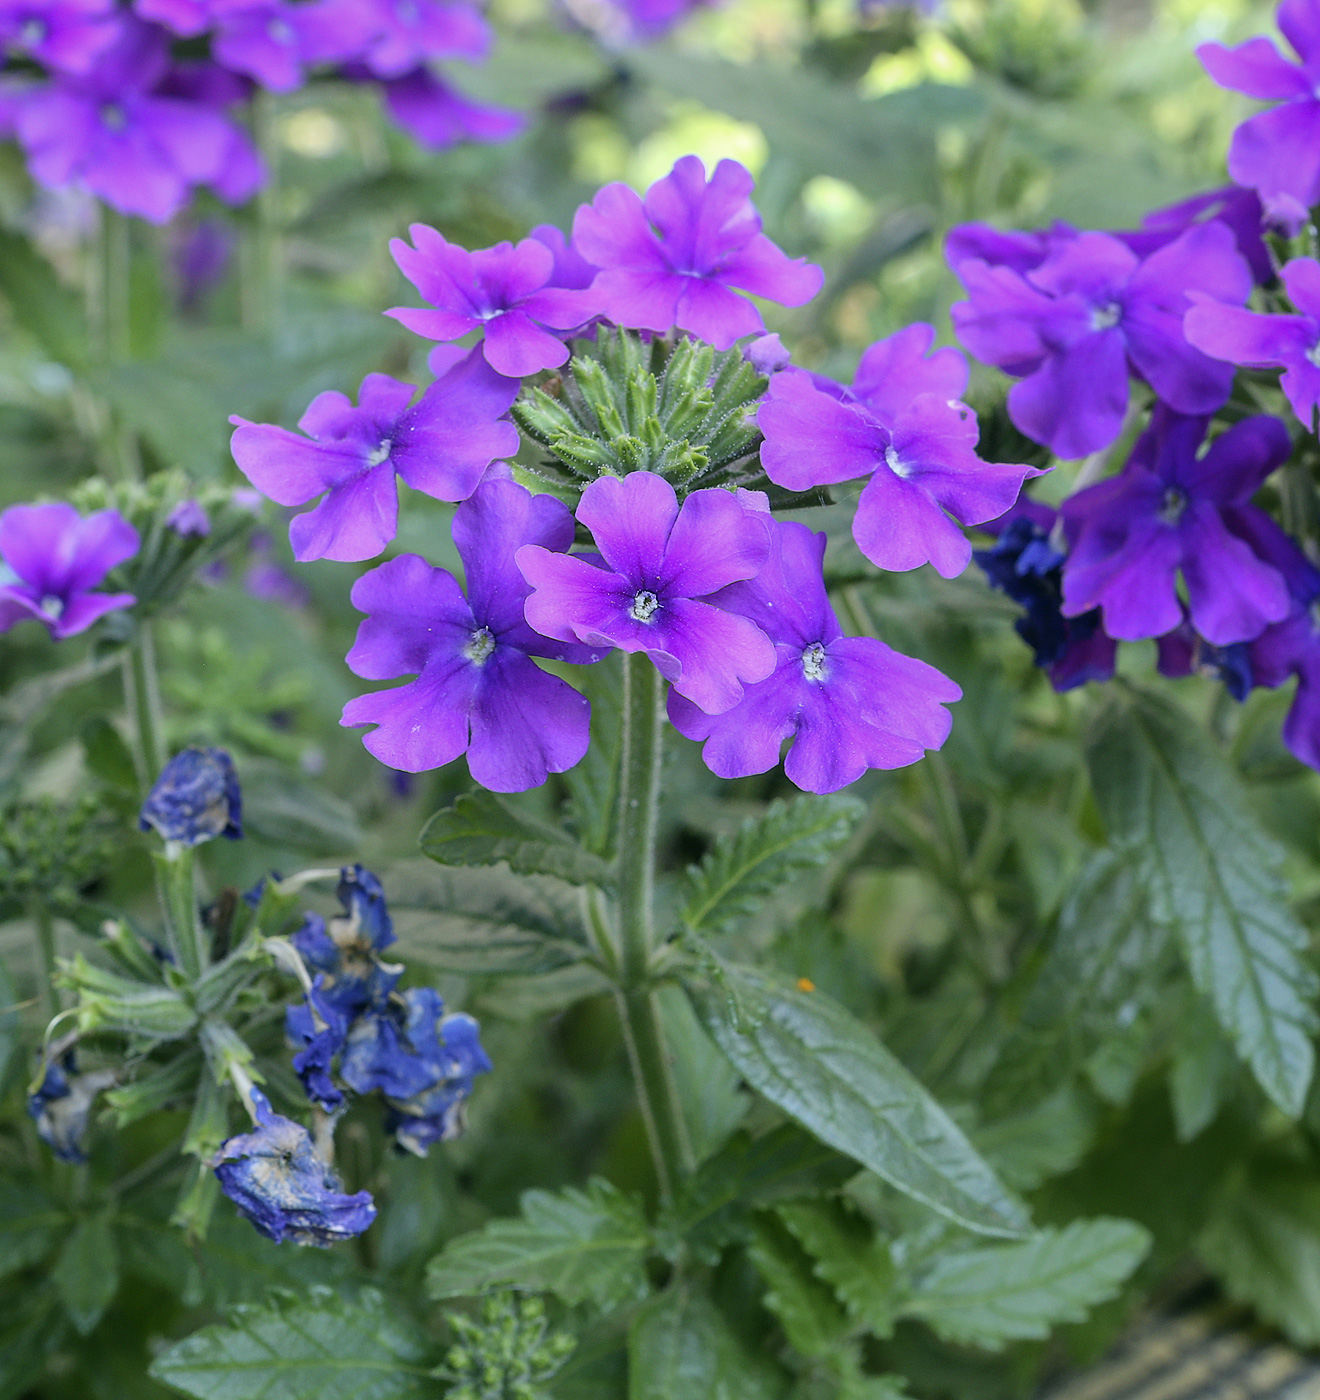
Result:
pixel 505 291
pixel 846 704
pixel 902 426
pixel 650 590
pixel 63 34
pixel 1170 511
pixel 1074 326
pixel 411 32
pixel 1017 249
pixel 571 269
pixel 477 689
pixel 54 559
pixel 187 18
pixel 441 445
pixel 675 258
pixel 1289 343
pixel 1276 153
pixel 1237 208
pixel 275 42
pixel 437 116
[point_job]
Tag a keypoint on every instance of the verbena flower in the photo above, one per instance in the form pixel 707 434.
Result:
pixel 275 42
pixel 1170 511
pixel 319 1026
pixel 661 562
pixel 189 518
pixel 53 561
pixel 1238 209
pixel 437 115
pixel 187 18
pixel 452 1045
pixel 195 799
pixel 1276 153
pixel 846 704
pixel 902 426
pixel 477 689
pixel 1074 326
pixel 408 33
pixel 441 445
pixel 681 256
pixel 1290 343
pixel 275 1178
pixel 61 34
pixel 61 1106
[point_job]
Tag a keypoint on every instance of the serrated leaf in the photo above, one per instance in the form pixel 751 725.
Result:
pixel 813 1319
pixel 742 871
pixel 1168 796
pixel 1015 1292
pixel 321 1347
pixel 579 1245
pixel 849 1257
pixel 1203 1068
pixel 1050 1138
pixel 679 1346
pixel 483 829
pixel 593 784
pixel 30 1224
pixel 484 922
pixel 818 1063
pixel 86 1274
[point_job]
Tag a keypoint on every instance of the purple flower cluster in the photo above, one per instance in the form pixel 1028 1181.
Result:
pixel 135 106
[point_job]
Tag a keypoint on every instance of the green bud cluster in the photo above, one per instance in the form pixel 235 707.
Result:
pixel 51 851
pixel 508 1354
pixel 680 409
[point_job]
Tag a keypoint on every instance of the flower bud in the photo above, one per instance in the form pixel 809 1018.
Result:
pixel 195 799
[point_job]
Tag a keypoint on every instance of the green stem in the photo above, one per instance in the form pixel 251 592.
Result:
pixel 45 928
pixel 111 302
pixel 142 701
pixel 262 289
pixel 641 752
pixel 176 882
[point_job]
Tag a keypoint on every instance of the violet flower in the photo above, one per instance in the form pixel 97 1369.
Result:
pixel 62 34
pixel 1074 326
pixel 54 559
pixel 676 257
pixel 1170 511
pixel 504 291
pixel 438 116
pixel 189 517
pixel 186 18
pixel 1276 153
pixel 1290 343
pixel 441 445
pixel 571 269
pixel 409 33
pixel 902 425
pixel 320 1028
pixel 275 42
pixel 452 1046
pixel 1236 208
pixel 651 590
pixel 477 689
pixel 845 704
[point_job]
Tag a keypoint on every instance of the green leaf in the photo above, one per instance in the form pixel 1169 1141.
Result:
pixel 742 871
pixel 710 1091
pixel 286 811
pixel 1203 1068
pixel 107 756
pixel 483 829
pixel 321 1347
pixel 86 1275
pixel 593 784
pixel 1050 1138
pixel 30 1223
pixel 482 922
pixel 51 312
pixel 1168 797
pixel 32 1328
pixel 986 1297
pixel 9 1021
pixel 680 1346
pixel 849 1257
pixel 813 1319
pixel 580 1245
pixel 818 1063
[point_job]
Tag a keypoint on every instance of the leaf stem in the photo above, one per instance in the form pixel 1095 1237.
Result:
pixel 641 753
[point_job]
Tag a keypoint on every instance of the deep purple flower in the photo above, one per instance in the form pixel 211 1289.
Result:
pixel 186 18
pixel 675 257
pixel 393 1047
pixel 275 42
pixel 505 291
pixel 1290 343
pixel 1169 511
pixel 411 32
pixel 438 116
pixel 62 34
pixel 1276 153
pixel 902 425
pixel 660 564
pixel 274 1176
pixel 1238 209
pixel 477 689
pixel 195 799
pixel 846 704
pixel 1091 312
pixel 1019 250
pixel 571 269
pixel 768 355
pixel 345 953
pixel 441 445
pixel 53 559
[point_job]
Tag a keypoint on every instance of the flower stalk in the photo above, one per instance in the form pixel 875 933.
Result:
pixel 143 703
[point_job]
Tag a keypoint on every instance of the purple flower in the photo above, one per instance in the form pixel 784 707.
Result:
pixel 275 42
pixel 441 445
pixel 1276 153
pixel 477 689
pixel 394 1048
pixel 1019 250
pixel 644 20
pixel 650 592
pixel 571 269
pixel 62 34
pixel 275 1178
pixel 1074 327
pixel 438 116
pixel 1237 209
pixel 902 425
pixel 1290 343
pixel 675 257
pixel 186 18
pixel 846 704
pixel 201 256
pixel 189 518
pixel 411 32
pixel 504 291
pixel 54 559
pixel 195 799
pixel 1169 511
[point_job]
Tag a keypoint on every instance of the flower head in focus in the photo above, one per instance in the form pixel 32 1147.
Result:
pixel 195 799
pixel 61 1106
pixel 54 559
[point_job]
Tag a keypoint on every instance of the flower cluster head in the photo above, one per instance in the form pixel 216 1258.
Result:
pixel 139 106
pixel 195 799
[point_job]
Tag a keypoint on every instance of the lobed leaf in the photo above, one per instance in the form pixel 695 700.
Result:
pixel 679 1345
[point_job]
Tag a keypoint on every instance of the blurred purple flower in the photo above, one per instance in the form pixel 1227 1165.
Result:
pixel 62 34
pixel 54 559
pixel 187 18
pixel 409 33
pixel 201 256
pixel 189 518
pixel 269 581
pixel 676 257
pixel 275 42
pixel 477 689
pixel 438 116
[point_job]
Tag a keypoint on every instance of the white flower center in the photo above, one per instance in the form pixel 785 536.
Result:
pixel 53 607
pixel 813 662
pixel 1104 318
pixel 380 453
pixel 32 33
pixel 479 646
pixel 1313 354
pixel 281 31
pixel 895 463
pixel 1175 502
pixel 644 606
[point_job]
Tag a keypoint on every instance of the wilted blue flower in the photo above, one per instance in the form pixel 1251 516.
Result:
pixel 450 1047
pixel 275 1178
pixel 319 1026
pixel 195 799
pixel 363 898
pixel 62 1104
pixel 394 1047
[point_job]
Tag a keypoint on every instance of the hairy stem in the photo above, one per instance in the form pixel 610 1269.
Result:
pixel 45 931
pixel 639 804
pixel 142 701
pixel 261 289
